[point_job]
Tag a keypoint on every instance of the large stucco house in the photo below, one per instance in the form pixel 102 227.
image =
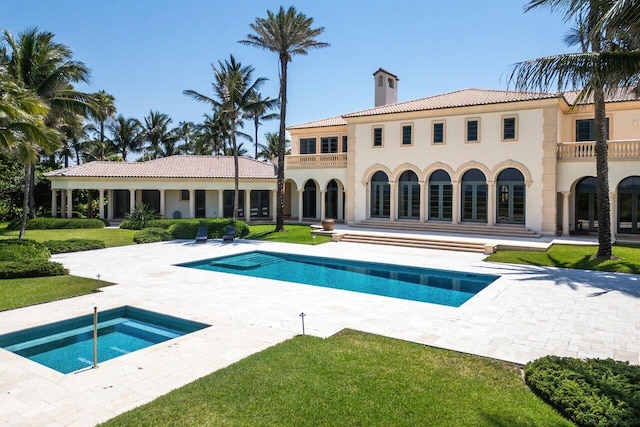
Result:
pixel 477 160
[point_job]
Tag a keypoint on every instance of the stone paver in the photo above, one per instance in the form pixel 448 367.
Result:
pixel 527 313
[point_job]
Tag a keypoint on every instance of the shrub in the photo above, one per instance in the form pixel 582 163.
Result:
pixel 154 223
pixel 187 228
pixel 30 268
pixel 57 223
pixel 590 392
pixel 152 235
pixel 141 215
pixel 73 245
pixel 19 250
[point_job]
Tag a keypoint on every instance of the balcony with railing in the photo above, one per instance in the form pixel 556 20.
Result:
pixel 586 151
pixel 329 160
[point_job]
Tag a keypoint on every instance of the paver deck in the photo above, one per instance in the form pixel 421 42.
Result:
pixel 527 313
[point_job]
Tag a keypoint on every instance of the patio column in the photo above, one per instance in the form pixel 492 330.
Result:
pixel 613 215
pixel 63 203
pixel 110 204
pixel 491 203
pixel 300 193
pixel 162 203
pixel 341 194
pixel 423 200
pixel 247 205
pixel 54 203
pixel 322 204
pixel 69 203
pixel 455 202
pixel 192 203
pixel 274 205
pixel 132 200
pixel 101 203
pixel 392 201
pixel 565 212
pixel 220 203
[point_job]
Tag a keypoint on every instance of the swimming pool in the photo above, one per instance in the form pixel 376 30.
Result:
pixel 451 288
pixel 67 346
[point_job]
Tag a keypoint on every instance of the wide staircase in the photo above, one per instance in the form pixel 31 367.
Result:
pixel 414 242
pixel 499 230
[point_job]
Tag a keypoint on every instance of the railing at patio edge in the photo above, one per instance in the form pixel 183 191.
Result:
pixel 618 150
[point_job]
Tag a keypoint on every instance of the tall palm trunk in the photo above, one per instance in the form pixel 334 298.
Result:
pixel 236 174
pixel 281 143
pixel 256 123
pixel 602 177
pixel 25 199
pixel 32 198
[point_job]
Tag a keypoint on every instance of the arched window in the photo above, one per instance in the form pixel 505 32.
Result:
pixel 629 205
pixel 586 205
pixel 309 200
pixel 474 196
pixel 331 200
pixel 510 200
pixel 440 196
pixel 380 199
pixel 409 196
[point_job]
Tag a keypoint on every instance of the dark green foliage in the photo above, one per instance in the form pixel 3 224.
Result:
pixel 57 224
pixel 188 228
pixel 141 216
pixel 18 250
pixel 590 392
pixel 152 235
pixel 155 223
pixel 73 245
pixel 32 268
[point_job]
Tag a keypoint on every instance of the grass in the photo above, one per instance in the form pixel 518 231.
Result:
pixel 352 378
pixel 16 293
pixel 110 236
pixel 293 234
pixel 578 257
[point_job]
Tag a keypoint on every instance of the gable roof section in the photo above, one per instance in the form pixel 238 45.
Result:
pixel 171 167
pixel 332 121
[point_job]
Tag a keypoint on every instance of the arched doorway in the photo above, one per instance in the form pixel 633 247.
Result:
pixel 629 205
pixel 440 196
pixel 408 196
pixel 510 197
pixel 309 200
pixel 380 195
pixel 331 200
pixel 474 196
pixel 586 205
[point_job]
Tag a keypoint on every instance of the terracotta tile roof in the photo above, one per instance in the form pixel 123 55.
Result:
pixel 171 167
pixel 617 95
pixel 332 121
pixel 460 98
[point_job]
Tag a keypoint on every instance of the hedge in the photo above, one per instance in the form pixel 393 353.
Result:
pixel 57 223
pixel 73 245
pixel 187 229
pixel 591 392
pixel 33 268
pixel 19 250
pixel 152 235
pixel 154 223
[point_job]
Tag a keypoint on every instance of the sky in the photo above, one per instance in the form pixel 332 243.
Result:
pixel 146 52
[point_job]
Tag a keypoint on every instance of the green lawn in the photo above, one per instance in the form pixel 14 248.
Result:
pixel 16 293
pixel 573 256
pixel 353 379
pixel 110 236
pixel 293 234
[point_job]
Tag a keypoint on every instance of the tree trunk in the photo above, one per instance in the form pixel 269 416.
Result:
pixel 25 199
pixel 602 177
pixel 281 144
pixel 256 123
pixel 32 198
pixel 236 177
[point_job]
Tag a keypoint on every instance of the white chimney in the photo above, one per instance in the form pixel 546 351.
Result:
pixel 386 87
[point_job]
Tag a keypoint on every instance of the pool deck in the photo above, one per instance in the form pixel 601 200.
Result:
pixel 527 313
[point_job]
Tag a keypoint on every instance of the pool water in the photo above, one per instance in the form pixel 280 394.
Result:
pixel 67 346
pixel 451 288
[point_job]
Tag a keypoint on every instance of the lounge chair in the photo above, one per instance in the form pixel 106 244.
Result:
pixel 201 236
pixel 229 234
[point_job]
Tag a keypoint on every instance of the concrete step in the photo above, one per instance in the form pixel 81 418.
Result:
pixel 424 243
pixel 506 230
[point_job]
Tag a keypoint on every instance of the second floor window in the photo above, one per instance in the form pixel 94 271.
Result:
pixel 406 134
pixel 509 129
pixel 308 146
pixel 438 133
pixel 473 128
pixel 586 130
pixel 344 144
pixel 329 145
pixel 377 137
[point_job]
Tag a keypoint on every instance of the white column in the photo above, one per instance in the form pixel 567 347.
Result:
pixel 192 203
pixel 423 201
pixel 392 201
pixel 69 203
pixel 323 203
pixel 613 207
pixel 491 203
pixel 247 205
pixel 220 203
pixel 341 198
pixel 162 203
pixel 54 203
pixel 274 204
pixel 132 200
pixel 63 203
pixel 300 193
pixel 111 204
pixel 101 203
pixel 565 212
pixel 455 202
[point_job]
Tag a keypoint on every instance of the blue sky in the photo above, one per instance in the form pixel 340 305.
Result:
pixel 146 52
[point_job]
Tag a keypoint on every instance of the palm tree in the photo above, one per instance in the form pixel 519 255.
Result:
pixel 157 133
pixel 126 135
pixel 233 88
pixel 105 109
pixel 594 73
pixel 259 112
pixel 269 151
pixel 286 33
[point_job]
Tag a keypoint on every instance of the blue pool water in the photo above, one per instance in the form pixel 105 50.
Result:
pixel 451 288
pixel 67 346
